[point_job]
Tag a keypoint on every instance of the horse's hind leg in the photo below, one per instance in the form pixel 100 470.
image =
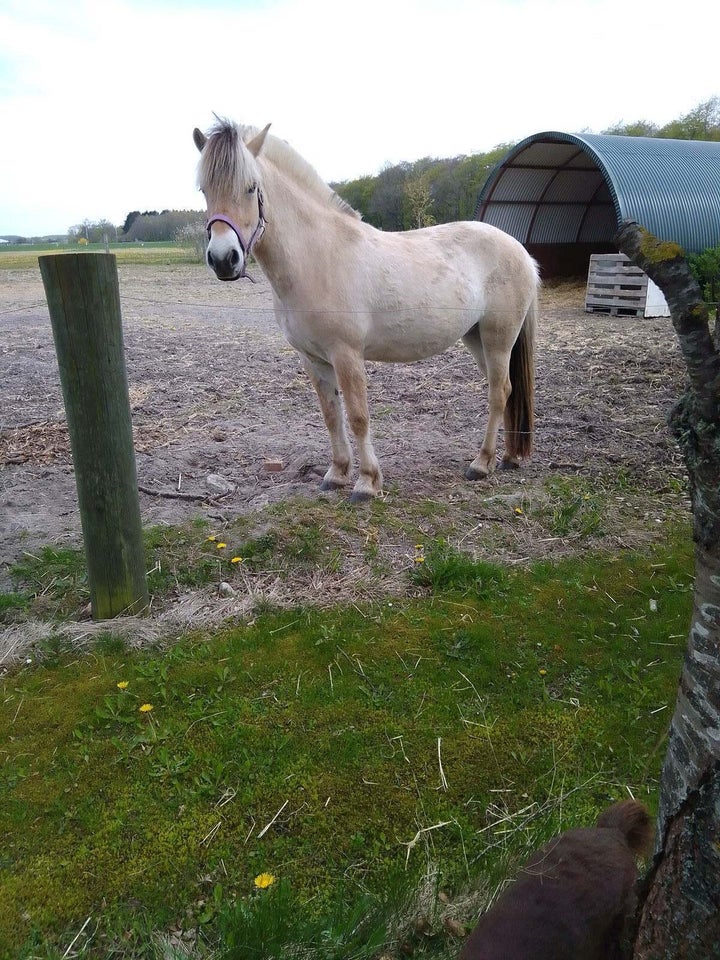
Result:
pixel 350 370
pixel 496 367
pixel 322 377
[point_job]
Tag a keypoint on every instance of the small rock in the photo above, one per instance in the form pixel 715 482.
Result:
pixel 219 485
pixel 273 466
pixel 219 434
pixel 225 590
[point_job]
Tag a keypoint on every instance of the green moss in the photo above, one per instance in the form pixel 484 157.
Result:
pixel 347 733
pixel 658 251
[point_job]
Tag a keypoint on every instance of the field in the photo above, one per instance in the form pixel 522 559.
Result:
pixel 215 389
pixel 24 256
pixel 432 682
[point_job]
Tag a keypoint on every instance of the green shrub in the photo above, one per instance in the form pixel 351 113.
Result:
pixel 705 268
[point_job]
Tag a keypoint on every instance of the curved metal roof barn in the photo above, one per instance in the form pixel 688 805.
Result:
pixel 563 195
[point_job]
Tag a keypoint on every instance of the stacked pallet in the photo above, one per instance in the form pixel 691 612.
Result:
pixel 615 286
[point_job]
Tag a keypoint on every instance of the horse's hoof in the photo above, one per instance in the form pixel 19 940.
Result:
pixel 361 496
pixel 509 465
pixel 472 473
pixel 331 485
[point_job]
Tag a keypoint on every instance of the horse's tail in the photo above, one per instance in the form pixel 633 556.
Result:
pixel 632 819
pixel 520 411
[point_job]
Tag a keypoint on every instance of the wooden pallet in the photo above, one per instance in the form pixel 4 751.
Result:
pixel 615 286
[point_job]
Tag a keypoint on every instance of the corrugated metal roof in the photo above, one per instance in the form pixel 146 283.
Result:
pixel 671 187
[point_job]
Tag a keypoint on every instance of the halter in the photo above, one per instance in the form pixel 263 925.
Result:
pixel 256 234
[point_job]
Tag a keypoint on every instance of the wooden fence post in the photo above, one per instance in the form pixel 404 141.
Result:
pixel 84 300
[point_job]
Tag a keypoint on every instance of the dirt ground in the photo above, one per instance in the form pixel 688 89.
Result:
pixel 215 389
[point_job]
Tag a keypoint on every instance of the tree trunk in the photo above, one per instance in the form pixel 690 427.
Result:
pixel 680 901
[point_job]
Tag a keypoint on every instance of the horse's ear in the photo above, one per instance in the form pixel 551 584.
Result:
pixel 256 144
pixel 199 139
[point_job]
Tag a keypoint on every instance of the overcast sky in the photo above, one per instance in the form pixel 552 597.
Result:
pixel 98 98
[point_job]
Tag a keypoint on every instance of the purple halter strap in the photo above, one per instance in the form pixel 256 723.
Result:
pixel 256 234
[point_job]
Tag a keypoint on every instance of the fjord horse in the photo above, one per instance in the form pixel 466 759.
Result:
pixel 345 292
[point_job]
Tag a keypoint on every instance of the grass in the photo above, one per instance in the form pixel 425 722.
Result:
pixel 181 558
pixel 13 601
pixel 442 566
pixel 574 507
pixel 24 256
pixel 350 752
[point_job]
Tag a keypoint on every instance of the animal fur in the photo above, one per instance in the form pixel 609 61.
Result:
pixel 573 897
pixel 346 293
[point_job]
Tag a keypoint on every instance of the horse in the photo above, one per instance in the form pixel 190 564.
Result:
pixel 345 292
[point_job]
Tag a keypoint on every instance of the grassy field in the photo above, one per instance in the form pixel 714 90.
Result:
pixel 24 256
pixel 331 781
pixel 351 780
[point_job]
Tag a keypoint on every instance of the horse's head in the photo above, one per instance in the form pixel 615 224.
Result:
pixel 229 176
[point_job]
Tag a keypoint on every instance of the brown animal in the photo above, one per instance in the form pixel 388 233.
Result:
pixel 572 898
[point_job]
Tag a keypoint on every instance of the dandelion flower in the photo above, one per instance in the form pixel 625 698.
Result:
pixel 145 708
pixel 123 684
pixel 518 511
pixel 236 560
pixel 212 538
pixel 542 671
pixel 221 546
pixel 264 880
pixel 419 559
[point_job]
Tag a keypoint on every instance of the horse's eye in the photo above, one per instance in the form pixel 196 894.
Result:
pixel 253 188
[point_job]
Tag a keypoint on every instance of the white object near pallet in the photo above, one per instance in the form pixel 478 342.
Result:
pixel 655 303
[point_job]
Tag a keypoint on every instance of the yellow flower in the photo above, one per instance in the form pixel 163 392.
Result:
pixel 518 511
pixel 212 538
pixel 145 708
pixel 123 684
pixel 221 546
pixel 264 880
pixel 419 559
pixel 542 672
pixel 236 560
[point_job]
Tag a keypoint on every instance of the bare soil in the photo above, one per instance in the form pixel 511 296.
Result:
pixel 215 389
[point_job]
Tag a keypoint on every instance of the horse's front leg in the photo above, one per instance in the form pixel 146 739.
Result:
pixel 350 371
pixel 322 376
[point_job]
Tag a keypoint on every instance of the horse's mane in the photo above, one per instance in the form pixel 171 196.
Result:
pixel 230 171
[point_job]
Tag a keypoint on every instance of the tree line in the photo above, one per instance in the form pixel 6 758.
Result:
pixel 146 227
pixel 405 195
pixel 409 195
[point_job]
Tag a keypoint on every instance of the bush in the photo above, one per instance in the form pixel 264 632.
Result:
pixel 705 268
pixel 193 236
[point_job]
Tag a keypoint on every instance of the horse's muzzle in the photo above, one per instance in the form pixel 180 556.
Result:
pixel 227 268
